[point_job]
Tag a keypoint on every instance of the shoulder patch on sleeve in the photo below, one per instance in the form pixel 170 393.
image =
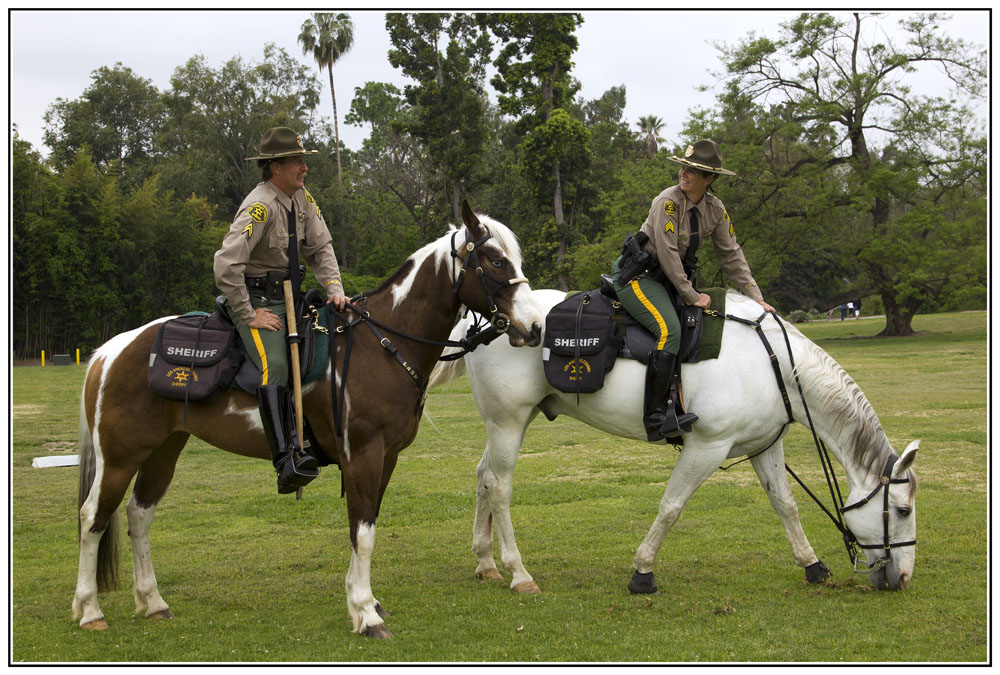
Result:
pixel 312 200
pixel 257 212
pixel 670 207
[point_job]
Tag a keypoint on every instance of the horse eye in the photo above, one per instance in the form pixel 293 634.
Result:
pixel 497 263
pixel 904 511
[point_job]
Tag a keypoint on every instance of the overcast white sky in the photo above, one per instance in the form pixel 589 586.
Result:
pixel 661 56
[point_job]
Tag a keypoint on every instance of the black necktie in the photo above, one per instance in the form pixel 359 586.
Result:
pixel 690 260
pixel 293 256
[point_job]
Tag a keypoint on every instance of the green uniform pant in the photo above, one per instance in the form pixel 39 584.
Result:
pixel 649 303
pixel 266 348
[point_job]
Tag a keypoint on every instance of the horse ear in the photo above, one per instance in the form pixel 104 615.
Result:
pixel 906 461
pixel 468 217
pixel 471 221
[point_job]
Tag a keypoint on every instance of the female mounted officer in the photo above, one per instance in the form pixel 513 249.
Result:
pixel 680 218
pixel 276 223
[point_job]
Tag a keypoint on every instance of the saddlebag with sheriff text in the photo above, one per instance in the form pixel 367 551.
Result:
pixel 580 343
pixel 192 357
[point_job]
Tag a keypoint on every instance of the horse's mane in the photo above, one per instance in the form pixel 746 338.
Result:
pixel 398 274
pixel 441 247
pixel 827 386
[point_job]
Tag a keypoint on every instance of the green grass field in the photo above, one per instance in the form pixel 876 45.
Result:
pixel 253 576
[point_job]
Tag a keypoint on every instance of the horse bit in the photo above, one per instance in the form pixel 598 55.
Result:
pixel 885 480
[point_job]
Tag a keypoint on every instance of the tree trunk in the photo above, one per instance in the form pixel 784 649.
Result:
pixel 898 316
pixel 561 250
pixel 336 125
pixel 456 201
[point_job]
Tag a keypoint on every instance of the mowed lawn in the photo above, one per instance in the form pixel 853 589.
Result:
pixel 253 576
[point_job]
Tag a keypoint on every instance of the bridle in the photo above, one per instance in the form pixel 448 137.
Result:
pixel 884 482
pixel 858 564
pixel 498 320
pixel 499 324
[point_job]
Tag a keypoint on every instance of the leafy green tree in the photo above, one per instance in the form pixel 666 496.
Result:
pixel 31 198
pixel 828 92
pixel 533 81
pixel 391 160
pixel 446 54
pixel 216 118
pixel 328 36
pixel 118 117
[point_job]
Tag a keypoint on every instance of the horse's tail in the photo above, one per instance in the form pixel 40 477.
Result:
pixel 107 549
pixel 446 371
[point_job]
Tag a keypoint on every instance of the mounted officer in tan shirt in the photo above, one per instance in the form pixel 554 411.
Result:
pixel 680 218
pixel 277 224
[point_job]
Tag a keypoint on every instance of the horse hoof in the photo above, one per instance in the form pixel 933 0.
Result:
pixel 162 614
pixel 642 583
pixel 381 611
pixel 379 631
pixel 817 573
pixel 527 587
pixel 96 624
pixel 490 575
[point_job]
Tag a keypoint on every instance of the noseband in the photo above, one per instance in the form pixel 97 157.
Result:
pixel 883 485
pixel 499 321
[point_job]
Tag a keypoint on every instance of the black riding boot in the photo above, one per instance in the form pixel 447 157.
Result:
pixel 663 415
pixel 294 468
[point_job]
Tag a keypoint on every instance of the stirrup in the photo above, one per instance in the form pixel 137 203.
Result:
pixel 674 423
pixel 293 474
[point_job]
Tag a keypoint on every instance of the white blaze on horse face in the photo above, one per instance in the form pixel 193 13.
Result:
pixel 527 311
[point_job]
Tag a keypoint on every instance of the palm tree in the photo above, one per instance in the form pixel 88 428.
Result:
pixel 327 37
pixel 651 125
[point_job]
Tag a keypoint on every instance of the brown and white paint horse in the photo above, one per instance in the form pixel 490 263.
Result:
pixel 126 431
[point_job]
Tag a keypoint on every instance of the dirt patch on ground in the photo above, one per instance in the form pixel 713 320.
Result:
pixel 26 410
pixel 60 446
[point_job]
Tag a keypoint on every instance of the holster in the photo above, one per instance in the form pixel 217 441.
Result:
pixel 635 259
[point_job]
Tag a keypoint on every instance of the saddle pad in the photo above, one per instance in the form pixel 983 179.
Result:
pixel 639 342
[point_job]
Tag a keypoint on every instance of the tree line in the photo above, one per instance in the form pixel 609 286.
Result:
pixel 849 184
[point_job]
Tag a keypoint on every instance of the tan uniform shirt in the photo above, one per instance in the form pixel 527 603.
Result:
pixel 668 227
pixel 257 243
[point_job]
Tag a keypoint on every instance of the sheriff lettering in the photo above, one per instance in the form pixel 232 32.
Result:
pixel 197 353
pixel 572 342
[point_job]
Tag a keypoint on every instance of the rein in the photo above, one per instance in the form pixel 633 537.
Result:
pixel 499 323
pixel 850 540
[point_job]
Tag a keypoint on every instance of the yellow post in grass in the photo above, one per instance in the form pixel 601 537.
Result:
pixel 43 358
pixel 77 357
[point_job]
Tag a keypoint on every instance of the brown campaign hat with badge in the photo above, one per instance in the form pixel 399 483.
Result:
pixel 704 156
pixel 281 142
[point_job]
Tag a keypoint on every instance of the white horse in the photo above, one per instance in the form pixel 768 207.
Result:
pixel 740 411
